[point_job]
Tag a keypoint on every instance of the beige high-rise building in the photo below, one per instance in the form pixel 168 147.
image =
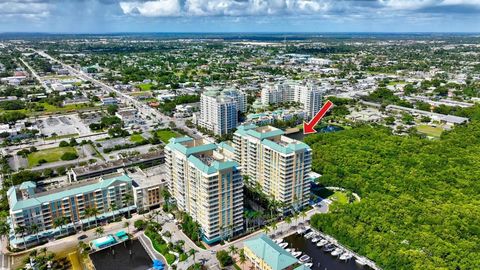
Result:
pixel 207 185
pixel 279 164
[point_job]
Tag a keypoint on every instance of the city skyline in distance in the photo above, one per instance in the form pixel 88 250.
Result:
pixel 231 16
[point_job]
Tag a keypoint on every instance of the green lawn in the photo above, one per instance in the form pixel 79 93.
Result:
pixel 167 134
pixel 136 138
pixel 62 137
pixel 50 155
pixel 145 86
pixel 336 196
pixel 396 82
pixel 430 131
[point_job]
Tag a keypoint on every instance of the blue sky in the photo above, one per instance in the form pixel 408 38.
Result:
pixel 102 16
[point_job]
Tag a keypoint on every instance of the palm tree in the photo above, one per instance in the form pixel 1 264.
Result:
pixel 92 212
pixel 127 225
pixel 113 207
pixel 241 258
pixel 58 222
pixel 35 229
pixel 128 201
pixel 288 220
pixel 4 229
pixel 274 227
pixel 166 197
pixel 303 215
pixel 44 251
pixel 232 250
pixel 192 252
pixel 22 230
pixel 266 229
pixel 99 231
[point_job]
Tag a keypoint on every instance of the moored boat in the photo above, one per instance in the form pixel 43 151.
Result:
pixel 337 252
pixel 305 258
pixel 322 243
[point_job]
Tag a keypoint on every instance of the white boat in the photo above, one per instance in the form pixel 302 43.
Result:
pixel 322 243
pixel 329 248
pixel 346 256
pixel 309 265
pixel 337 252
pixel 361 261
pixel 296 254
pixel 305 258
pixel 315 239
pixel 283 245
pixel 309 235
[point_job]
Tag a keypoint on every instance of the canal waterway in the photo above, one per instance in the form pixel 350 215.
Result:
pixel 321 260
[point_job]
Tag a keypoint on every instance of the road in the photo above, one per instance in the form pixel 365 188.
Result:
pixel 42 82
pixel 142 108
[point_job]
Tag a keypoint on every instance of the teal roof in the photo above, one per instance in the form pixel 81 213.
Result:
pixel 288 149
pixel 27 185
pixel 176 143
pixel 226 146
pixel 15 204
pixel 250 130
pixel 271 253
pixel 302 267
pixel 214 167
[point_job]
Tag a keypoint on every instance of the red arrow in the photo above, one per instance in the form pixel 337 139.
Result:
pixel 309 127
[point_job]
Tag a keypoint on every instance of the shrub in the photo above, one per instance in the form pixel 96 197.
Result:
pixel 140 224
pixel 69 156
pixel 42 161
pixel 224 258
pixel 64 144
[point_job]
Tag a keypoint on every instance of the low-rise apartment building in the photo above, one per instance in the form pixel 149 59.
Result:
pixel 31 206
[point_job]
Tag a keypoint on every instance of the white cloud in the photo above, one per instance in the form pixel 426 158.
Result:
pixel 156 8
pixel 224 7
pixel 27 9
pixel 407 4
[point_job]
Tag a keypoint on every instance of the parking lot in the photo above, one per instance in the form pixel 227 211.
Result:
pixel 62 125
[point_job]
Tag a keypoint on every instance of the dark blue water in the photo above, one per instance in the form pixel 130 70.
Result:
pixel 321 260
pixel 118 257
pixel 325 129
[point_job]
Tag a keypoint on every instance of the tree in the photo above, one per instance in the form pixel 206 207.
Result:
pixel 92 212
pixel 192 252
pixel 99 231
pixel 69 156
pixel 58 223
pixel 22 230
pixel 35 229
pixel 128 201
pixel 113 207
pixel 224 258
pixel 112 109
pixel 242 258
pixel 232 250
pixel 127 225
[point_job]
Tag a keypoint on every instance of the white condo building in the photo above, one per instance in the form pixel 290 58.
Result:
pixel 219 110
pixel 309 95
pixel 207 185
pixel 280 165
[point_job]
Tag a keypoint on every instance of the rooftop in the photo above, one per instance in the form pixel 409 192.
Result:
pixel 17 201
pixel 271 253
